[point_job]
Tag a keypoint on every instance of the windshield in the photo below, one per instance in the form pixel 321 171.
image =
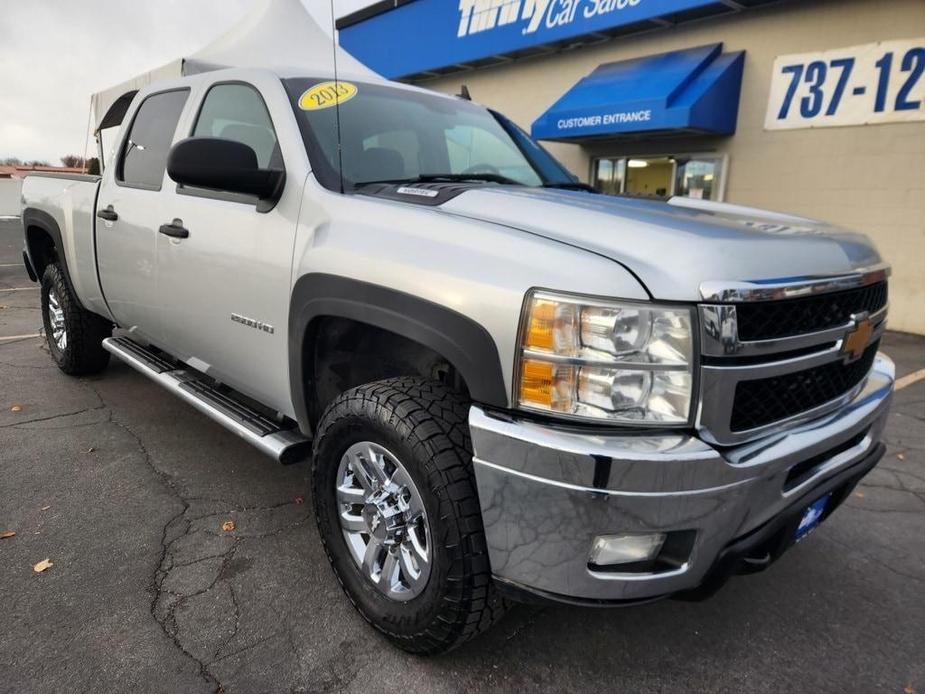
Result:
pixel 391 134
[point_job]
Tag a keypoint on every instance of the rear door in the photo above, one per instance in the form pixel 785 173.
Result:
pixel 132 197
pixel 224 289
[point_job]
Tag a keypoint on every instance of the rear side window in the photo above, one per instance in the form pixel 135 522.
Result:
pixel 144 154
pixel 237 112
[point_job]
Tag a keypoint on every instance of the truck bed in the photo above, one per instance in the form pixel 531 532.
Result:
pixel 67 204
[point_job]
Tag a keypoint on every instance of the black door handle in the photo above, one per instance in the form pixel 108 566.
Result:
pixel 108 214
pixel 175 229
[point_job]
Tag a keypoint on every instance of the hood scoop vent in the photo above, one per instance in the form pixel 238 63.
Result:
pixel 430 194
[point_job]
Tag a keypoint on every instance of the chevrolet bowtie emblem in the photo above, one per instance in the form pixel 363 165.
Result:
pixel 856 339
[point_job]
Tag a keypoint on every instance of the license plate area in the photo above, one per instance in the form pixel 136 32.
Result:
pixel 812 517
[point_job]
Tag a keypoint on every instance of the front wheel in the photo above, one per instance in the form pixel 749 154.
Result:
pixel 398 513
pixel 74 335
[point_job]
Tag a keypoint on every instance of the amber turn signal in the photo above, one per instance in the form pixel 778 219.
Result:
pixel 541 326
pixel 547 385
pixel 536 382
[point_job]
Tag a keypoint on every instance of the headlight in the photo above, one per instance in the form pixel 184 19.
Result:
pixel 614 361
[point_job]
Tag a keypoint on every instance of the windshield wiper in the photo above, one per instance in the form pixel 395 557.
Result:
pixel 571 185
pixel 436 178
pixel 490 177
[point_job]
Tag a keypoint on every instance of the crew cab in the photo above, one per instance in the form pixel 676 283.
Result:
pixel 508 386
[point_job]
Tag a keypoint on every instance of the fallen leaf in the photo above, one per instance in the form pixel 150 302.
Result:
pixel 859 495
pixel 7 533
pixel 228 526
pixel 44 508
pixel 43 565
pixel 91 449
pixel 900 456
pixel 300 499
pixel 908 689
pixel 16 408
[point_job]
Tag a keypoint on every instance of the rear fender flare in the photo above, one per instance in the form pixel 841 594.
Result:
pixel 34 218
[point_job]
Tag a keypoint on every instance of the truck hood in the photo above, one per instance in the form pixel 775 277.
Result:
pixel 674 246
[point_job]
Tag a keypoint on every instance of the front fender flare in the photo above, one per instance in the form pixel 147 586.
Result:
pixel 466 344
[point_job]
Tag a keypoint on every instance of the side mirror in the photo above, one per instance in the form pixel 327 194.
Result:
pixel 224 165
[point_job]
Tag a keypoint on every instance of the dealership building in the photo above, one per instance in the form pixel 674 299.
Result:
pixel 813 107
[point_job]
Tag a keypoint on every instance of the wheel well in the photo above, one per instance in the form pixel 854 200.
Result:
pixel 341 353
pixel 42 250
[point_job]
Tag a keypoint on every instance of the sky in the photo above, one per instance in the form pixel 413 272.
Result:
pixel 55 53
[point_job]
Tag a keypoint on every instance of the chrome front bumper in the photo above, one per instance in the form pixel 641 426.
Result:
pixel 546 493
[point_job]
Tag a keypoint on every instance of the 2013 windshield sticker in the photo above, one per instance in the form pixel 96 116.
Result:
pixel 326 95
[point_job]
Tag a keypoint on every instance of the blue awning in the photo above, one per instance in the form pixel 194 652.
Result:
pixel 695 90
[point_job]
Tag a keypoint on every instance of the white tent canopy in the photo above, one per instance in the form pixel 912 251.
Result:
pixel 279 33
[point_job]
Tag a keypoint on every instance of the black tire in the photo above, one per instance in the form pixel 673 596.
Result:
pixel 83 352
pixel 425 425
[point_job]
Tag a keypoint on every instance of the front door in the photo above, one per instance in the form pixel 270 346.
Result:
pixel 131 197
pixel 224 288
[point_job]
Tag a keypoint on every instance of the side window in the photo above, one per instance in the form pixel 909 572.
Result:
pixel 237 112
pixel 144 154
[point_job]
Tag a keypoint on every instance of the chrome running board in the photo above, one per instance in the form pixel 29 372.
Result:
pixel 283 442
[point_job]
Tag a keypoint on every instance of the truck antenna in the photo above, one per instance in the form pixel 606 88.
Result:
pixel 340 155
pixel 464 93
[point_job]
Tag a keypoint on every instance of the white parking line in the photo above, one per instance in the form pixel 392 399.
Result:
pixel 12 265
pixel 20 289
pixel 909 379
pixel 18 337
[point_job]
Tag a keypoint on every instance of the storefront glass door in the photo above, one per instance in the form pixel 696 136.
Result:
pixel 693 176
pixel 651 177
pixel 609 175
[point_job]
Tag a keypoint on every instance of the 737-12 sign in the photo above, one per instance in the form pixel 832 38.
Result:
pixel 874 83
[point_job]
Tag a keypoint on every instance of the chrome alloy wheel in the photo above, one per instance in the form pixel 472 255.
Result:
pixel 383 520
pixel 56 318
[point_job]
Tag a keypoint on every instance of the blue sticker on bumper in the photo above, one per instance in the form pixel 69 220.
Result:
pixel 812 516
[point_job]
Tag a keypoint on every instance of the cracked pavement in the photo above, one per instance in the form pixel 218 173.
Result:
pixel 126 490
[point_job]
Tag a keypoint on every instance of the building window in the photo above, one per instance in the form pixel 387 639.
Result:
pixel 692 176
pixel 609 175
pixel 698 177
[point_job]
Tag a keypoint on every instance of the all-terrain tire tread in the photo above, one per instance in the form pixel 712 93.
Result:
pixel 433 420
pixel 86 331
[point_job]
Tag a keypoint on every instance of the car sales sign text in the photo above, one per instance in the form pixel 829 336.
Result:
pixel 875 83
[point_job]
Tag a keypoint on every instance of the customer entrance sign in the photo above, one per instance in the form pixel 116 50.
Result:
pixel 881 82
pixel 695 90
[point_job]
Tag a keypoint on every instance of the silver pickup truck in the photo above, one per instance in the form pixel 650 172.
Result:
pixel 508 385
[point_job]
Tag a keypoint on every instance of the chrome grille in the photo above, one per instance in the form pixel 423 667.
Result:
pixel 797 370
pixel 767 400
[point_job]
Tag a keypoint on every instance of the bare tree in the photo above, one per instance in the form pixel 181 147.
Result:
pixel 11 161
pixel 72 161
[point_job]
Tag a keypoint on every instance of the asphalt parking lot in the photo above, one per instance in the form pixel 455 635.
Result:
pixel 126 490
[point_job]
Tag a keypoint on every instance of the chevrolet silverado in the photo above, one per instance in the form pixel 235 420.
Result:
pixel 509 386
